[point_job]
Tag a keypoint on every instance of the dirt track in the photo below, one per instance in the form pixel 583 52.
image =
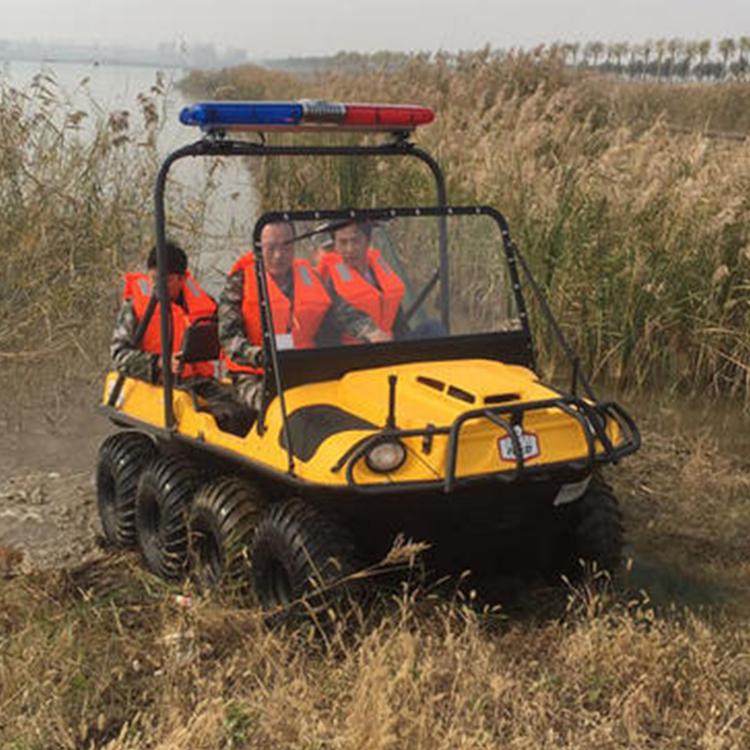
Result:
pixel 47 502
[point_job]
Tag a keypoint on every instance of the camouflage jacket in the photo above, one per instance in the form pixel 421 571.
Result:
pixel 341 317
pixel 127 358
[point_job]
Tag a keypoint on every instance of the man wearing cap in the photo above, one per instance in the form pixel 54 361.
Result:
pixel 304 312
pixel 188 303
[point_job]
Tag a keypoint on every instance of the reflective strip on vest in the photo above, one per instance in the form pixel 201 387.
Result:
pixel 192 287
pixel 386 268
pixel 305 275
pixel 301 318
pixel 151 341
pixel 343 271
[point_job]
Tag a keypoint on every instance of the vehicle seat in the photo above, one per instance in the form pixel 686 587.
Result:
pixel 201 344
pixel 201 341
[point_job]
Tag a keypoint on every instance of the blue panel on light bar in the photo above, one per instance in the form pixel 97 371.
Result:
pixel 239 115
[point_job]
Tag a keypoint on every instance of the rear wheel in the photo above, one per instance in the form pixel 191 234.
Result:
pixel 301 558
pixel 222 520
pixel 122 458
pixel 594 533
pixel 165 492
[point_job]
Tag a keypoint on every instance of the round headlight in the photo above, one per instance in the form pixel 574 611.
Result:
pixel 386 456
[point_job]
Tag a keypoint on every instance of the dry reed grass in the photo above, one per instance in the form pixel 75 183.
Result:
pixel 106 656
pixel 76 189
pixel 75 208
pixel 640 235
pixel 125 667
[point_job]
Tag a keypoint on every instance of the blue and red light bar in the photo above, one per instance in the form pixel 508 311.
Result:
pixel 305 115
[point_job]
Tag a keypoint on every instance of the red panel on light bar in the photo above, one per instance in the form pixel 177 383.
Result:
pixel 386 116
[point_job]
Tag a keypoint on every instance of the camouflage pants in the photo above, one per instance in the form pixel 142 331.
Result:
pixel 249 390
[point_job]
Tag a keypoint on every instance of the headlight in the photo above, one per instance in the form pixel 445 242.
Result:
pixel 386 456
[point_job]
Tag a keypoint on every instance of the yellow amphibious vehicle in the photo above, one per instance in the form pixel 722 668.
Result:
pixel 447 434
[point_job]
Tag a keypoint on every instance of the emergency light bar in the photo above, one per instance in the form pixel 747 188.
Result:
pixel 304 115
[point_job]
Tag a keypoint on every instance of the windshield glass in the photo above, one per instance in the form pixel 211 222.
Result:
pixel 380 278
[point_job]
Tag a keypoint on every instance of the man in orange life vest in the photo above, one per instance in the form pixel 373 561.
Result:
pixel 358 273
pixel 304 312
pixel 189 302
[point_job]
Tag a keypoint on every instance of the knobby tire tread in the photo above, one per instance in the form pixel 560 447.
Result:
pixel 228 509
pixel 305 542
pixel 170 482
pixel 123 456
pixel 596 533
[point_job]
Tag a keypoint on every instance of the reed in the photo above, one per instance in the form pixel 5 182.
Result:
pixel 76 189
pixel 99 657
pixel 636 221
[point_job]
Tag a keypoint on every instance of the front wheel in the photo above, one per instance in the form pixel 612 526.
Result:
pixel 302 558
pixel 593 532
pixel 122 458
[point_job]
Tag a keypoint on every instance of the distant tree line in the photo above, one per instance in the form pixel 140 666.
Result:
pixel 667 59
pixel 671 59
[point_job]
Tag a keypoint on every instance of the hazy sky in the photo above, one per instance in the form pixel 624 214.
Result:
pixel 297 27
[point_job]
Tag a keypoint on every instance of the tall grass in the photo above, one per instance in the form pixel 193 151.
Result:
pixel 76 190
pixel 75 198
pixel 639 234
pixel 97 658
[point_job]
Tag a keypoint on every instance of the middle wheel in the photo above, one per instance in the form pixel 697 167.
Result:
pixel 300 553
pixel 222 519
pixel 165 492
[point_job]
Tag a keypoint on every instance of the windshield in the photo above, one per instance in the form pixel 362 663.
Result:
pixel 382 276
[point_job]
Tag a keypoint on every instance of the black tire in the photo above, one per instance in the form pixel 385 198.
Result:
pixel 165 492
pixel 299 557
pixel 222 519
pixel 122 458
pixel 593 538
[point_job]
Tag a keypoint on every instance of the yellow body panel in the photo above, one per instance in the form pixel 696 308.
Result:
pixel 364 393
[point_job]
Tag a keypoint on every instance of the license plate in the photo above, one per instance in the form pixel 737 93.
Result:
pixel 529 445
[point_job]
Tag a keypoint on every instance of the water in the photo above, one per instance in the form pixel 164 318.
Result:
pixel 101 89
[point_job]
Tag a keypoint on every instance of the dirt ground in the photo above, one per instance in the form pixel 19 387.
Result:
pixel 48 514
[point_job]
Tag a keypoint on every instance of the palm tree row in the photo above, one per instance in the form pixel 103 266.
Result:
pixel 664 58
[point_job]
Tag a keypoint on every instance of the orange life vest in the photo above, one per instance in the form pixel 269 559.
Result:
pixel 300 318
pixel 199 304
pixel 380 304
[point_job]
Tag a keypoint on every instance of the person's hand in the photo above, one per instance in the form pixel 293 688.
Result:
pixel 379 337
pixel 176 361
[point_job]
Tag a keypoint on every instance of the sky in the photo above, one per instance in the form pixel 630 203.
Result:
pixel 280 28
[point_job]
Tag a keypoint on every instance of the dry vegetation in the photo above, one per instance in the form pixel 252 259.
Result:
pixel 76 190
pixel 104 655
pixel 640 234
pixel 641 238
pixel 74 210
